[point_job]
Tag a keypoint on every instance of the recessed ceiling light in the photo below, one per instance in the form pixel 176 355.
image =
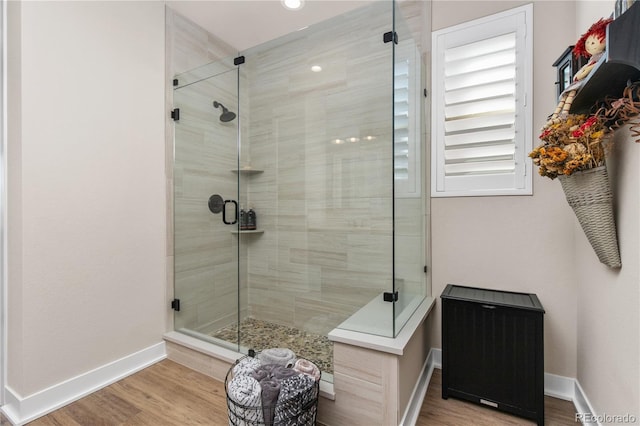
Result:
pixel 337 141
pixel 293 4
pixel 352 140
pixel 316 68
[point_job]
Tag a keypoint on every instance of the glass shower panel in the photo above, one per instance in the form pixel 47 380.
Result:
pixel 206 191
pixel 409 201
pixel 317 122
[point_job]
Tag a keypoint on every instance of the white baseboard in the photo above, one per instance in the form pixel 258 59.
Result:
pixel 569 389
pixel 20 410
pixel 559 386
pixel 584 407
pixel 437 357
pixel 419 391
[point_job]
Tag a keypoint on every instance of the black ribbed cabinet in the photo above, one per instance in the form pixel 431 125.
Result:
pixel 493 349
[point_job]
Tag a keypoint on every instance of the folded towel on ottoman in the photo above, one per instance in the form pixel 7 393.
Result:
pixel 280 356
pixel 246 366
pixel 295 395
pixel 270 392
pixel 245 391
pixel 307 367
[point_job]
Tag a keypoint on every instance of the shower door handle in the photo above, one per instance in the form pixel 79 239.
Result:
pixel 217 204
pixel 235 213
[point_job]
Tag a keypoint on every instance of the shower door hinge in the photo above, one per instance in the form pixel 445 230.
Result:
pixel 391 35
pixel 175 304
pixel 238 61
pixel 175 82
pixel 425 269
pixel 390 297
pixel 175 114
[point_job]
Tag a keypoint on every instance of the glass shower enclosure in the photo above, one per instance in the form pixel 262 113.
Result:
pixel 298 203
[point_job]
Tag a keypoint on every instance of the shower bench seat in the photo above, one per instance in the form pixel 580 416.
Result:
pixel 376 379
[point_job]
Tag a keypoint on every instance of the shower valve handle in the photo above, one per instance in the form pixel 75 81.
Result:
pixel 235 214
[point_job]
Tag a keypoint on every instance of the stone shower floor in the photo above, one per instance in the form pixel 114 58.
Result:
pixel 258 335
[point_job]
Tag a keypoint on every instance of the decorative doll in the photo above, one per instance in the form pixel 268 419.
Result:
pixel 590 45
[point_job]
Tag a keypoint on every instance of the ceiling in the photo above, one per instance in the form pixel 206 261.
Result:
pixel 247 23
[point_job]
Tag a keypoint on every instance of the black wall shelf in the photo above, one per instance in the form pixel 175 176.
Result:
pixel 619 65
pixel 566 66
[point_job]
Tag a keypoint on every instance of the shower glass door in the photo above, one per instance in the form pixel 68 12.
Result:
pixel 317 125
pixel 206 194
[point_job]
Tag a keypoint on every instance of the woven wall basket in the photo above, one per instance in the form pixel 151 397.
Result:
pixel 589 195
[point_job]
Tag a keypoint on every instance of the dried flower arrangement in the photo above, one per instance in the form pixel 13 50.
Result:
pixel 573 143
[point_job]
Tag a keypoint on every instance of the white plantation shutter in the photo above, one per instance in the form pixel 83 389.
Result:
pixel 482 121
pixel 406 121
pixel 401 120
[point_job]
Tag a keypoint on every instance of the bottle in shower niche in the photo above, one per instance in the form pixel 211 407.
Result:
pixel 242 219
pixel 251 219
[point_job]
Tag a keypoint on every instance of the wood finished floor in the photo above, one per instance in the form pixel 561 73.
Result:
pixel 168 393
pixel 453 412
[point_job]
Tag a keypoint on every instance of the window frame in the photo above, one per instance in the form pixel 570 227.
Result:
pixel 520 182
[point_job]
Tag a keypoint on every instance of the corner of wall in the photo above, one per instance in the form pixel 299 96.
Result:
pixel 13 194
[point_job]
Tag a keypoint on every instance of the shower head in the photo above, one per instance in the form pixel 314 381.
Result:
pixel 226 114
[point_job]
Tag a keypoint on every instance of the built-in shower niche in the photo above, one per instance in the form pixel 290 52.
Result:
pixel 247 173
